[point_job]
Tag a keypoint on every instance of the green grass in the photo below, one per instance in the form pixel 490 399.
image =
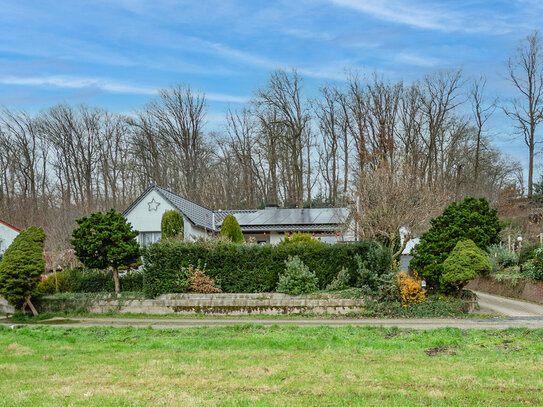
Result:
pixel 276 366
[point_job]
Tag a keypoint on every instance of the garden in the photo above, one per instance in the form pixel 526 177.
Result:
pixel 461 244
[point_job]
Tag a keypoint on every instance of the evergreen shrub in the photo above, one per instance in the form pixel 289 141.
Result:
pixel 172 225
pixel 254 268
pixel 230 229
pixel 22 266
pixel 297 278
pixel 464 263
pixel 471 219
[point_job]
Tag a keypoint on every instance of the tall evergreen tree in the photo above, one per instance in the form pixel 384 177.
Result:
pixel 472 219
pixel 21 267
pixel 106 241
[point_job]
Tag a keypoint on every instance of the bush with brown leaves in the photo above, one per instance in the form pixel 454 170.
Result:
pixel 200 283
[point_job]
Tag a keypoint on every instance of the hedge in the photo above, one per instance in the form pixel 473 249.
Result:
pixel 90 281
pixel 247 268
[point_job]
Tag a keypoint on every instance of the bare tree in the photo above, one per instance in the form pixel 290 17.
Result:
pixel 481 113
pixel 388 201
pixel 525 72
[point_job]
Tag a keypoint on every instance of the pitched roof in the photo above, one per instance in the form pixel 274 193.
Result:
pixel 9 226
pixel 325 219
pixel 196 214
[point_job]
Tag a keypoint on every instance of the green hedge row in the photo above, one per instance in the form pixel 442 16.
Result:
pixel 89 281
pixel 251 268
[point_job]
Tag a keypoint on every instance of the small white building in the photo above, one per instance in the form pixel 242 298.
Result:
pixel 8 234
pixel 267 225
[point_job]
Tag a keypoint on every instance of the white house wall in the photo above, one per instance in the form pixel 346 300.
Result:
pixel 144 220
pixel 7 235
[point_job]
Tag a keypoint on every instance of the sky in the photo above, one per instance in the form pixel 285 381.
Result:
pixel 116 53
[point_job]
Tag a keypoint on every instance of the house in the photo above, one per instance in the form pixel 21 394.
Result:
pixel 8 233
pixel 267 225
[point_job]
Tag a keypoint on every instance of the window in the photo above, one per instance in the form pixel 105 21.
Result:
pixel 146 238
pixel 1 246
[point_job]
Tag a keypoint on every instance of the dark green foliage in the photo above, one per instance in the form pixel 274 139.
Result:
pixel 22 265
pixel 105 240
pixel 464 263
pixel 527 253
pixel 472 219
pixel 172 225
pixel 251 268
pixel 374 272
pixel 230 229
pixel 89 281
pixel 535 271
pixel 297 278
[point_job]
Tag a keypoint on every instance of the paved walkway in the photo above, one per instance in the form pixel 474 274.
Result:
pixel 420 323
pixel 513 314
pixel 494 304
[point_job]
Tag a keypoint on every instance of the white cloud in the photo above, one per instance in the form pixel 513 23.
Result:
pixel 418 60
pixel 106 85
pixel 425 15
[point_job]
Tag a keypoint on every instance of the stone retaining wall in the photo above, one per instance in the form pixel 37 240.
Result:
pixel 213 304
pixel 522 289
pixel 5 307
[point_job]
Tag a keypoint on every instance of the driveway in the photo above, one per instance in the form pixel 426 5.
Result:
pixel 494 304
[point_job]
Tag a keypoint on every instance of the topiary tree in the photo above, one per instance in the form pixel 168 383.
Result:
pixel 231 230
pixel 106 241
pixel 464 263
pixel 21 267
pixel 472 219
pixel 172 225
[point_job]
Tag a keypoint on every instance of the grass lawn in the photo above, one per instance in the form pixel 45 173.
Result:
pixel 276 366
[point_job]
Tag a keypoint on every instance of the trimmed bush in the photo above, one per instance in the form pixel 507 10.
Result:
pixel 172 225
pixel 79 280
pixel 472 219
pixel 297 278
pixel 299 237
pixel 464 263
pixel 254 268
pixel 230 229
pixel 22 265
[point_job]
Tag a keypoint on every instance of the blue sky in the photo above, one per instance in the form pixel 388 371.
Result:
pixel 116 53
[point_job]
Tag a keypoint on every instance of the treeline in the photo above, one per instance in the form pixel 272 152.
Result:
pixel 282 147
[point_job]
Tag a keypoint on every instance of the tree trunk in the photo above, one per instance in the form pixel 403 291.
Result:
pixel 31 306
pixel 117 282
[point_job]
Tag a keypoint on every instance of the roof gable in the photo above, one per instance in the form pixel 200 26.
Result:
pixel 9 226
pixel 195 213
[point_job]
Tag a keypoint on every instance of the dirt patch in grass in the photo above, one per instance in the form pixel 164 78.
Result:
pixel 439 350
